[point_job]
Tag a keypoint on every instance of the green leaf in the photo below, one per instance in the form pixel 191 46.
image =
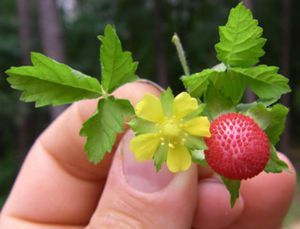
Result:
pixel 102 127
pixel 265 81
pixel 240 43
pixel 197 83
pixel 141 126
pixel 160 156
pixel 198 157
pixel 48 82
pixel 167 101
pixel 231 84
pixel 117 66
pixel 195 143
pixel 245 107
pixel 271 120
pixel 217 103
pixel 275 164
pixel 233 187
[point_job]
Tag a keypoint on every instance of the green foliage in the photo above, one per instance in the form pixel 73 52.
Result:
pixel 160 156
pixel 240 39
pixel 117 66
pixel 141 126
pixel 265 81
pixel 48 82
pixel 196 84
pixel 102 127
pixel 233 187
pixel 167 100
pixel 193 143
pixel 217 103
pixel 275 164
pixel 230 84
pixel 223 86
pixel 271 120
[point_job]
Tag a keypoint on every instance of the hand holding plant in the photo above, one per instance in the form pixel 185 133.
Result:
pixel 208 124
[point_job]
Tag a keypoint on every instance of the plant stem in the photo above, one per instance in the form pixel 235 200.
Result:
pixel 181 54
pixel 104 93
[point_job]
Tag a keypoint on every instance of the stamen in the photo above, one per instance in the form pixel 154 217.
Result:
pixel 171 146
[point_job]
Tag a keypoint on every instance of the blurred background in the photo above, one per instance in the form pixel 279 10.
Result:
pixel 67 31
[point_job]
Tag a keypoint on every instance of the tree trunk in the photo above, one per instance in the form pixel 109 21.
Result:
pixel 285 66
pixel 52 37
pixel 24 30
pixel 250 96
pixel 24 36
pixel 161 60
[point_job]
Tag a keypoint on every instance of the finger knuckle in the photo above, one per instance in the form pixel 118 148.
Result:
pixel 112 218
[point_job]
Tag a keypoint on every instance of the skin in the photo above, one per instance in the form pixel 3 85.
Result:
pixel 58 188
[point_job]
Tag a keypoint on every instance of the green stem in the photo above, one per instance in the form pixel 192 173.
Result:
pixel 181 54
pixel 104 93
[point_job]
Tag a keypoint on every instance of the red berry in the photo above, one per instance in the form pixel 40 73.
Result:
pixel 238 148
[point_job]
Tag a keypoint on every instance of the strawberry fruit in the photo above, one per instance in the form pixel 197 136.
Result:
pixel 238 148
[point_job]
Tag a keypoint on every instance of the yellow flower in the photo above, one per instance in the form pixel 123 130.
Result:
pixel 168 129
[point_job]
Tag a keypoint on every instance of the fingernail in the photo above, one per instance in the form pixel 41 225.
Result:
pixel 142 176
pixel 151 83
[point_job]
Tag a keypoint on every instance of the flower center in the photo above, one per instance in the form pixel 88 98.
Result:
pixel 170 129
pixel 171 133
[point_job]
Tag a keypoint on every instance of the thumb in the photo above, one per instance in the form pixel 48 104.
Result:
pixel 136 196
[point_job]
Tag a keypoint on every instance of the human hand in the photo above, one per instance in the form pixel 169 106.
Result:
pixel 58 188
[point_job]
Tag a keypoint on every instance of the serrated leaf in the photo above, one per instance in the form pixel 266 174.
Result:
pixel 233 187
pixel 160 156
pixel 265 81
pixel 240 43
pixel 197 83
pixel 48 82
pixel 141 126
pixel 229 83
pixel 101 129
pixel 217 103
pixel 271 120
pixel 117 66
pixel 167 101
pixel 275 164
pixel 245 107
pixel 198 157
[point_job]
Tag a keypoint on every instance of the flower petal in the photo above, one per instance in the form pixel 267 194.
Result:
pixel 149 108
pixel 144 146
pixel 197 126
pixel 178 159
pixel 184 104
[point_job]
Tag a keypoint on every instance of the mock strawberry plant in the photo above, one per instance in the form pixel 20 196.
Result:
pixel 207 125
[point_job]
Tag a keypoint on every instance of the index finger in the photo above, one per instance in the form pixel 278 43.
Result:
pixel 57 184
